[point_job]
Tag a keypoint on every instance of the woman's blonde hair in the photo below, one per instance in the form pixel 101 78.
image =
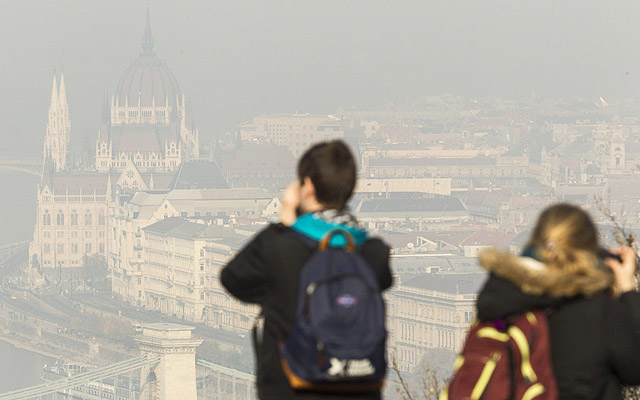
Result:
pixel 566 238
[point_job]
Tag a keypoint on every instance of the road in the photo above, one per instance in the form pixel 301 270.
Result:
pixel 116 307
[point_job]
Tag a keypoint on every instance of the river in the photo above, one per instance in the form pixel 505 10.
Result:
pixel 17 206
pixel 20 368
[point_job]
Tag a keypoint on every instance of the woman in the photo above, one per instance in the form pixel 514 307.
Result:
pixel 594 310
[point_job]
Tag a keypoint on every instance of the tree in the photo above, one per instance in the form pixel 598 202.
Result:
pixel 429 377
pixel 622 237
pixel 95 270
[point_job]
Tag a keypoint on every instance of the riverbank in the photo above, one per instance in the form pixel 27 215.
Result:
pixel 24 343
pixel 21 368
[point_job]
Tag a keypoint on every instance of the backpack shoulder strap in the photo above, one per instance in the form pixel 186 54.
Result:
pixel 324 243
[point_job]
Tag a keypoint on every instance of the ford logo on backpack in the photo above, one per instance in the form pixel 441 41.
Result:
pixel 337 341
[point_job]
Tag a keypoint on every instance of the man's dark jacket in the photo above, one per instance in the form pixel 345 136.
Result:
pixel 595 337
pixel 266 272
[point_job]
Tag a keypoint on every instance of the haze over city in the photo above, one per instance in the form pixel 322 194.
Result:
pixel 146 143
pixel 239 59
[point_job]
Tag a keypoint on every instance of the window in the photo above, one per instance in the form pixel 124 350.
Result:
pixel 46 249
pixel 202 280
pixel 74 248
pixel 74 217
pixel 101 248
pixel 201 266
pixel 60 218
pixel 139 281
pixel 88 220
pixel 201 252
pixel 87 248
pixel 101 218
pixel 201 295
pixel 46 218
pixel 60 248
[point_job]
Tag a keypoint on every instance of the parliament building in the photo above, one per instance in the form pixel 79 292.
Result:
pixel 145 136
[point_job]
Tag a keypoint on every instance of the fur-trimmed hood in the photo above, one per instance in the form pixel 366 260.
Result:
pixel 534 277
pixel 519 284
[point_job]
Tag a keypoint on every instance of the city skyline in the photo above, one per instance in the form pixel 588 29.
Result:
pixel 163 135
pixel 495 49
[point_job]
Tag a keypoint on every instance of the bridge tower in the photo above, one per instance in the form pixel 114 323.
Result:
pixel 174 377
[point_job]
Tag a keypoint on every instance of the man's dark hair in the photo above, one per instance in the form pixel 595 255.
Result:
pixel 332 170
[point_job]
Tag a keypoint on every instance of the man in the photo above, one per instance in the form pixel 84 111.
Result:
pixel 267 270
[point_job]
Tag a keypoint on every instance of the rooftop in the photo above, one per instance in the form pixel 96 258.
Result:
pixel 199 174
pixel 447 283
pixel 179 227
pixel 436 204
pixel 430 161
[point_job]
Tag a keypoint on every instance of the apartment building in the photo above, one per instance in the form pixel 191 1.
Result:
pixel 294 131
pixel 427 311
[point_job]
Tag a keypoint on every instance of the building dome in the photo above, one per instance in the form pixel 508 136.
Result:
pixel 147 79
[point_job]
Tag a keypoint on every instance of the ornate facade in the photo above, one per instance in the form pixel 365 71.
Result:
pixel 71 223
pixel 71 205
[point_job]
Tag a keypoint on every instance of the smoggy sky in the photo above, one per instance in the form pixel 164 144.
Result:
pixel 238 58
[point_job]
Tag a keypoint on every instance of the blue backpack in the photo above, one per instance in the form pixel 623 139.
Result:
pixel 337 341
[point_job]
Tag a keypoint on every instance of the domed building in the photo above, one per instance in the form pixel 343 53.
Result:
pixel 147 123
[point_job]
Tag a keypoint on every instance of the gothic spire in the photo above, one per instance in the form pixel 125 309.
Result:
pixel 63 93
pixel 64 107
pixel 147 40
pixel 56 140
pixel 53 106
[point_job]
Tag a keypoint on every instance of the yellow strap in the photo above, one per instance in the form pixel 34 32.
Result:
pixel 444 395
pixel 533 392
pixel 458 363
pixel 294 380
pixel 523 346
pixel 493 333
pixel 531 318
pixel 485 376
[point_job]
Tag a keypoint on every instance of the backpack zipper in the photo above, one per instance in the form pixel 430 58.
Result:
pixel 320 358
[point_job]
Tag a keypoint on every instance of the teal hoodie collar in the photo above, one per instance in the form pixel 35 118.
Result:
pixel 311 225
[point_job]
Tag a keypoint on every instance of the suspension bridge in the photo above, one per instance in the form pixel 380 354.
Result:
pixel 165 370
pixel 23 165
